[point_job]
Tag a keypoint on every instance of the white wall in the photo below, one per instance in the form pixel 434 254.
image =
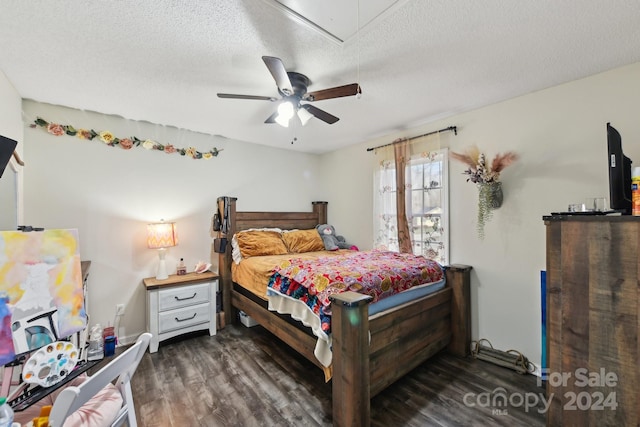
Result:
pixel 110 194
pixel 11 182
pixel 10 111
pixel 560 135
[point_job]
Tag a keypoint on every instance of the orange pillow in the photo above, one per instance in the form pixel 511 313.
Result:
pixel 257 243
pixel 299 241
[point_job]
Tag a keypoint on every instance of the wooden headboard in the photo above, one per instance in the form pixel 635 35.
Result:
pixel 238 221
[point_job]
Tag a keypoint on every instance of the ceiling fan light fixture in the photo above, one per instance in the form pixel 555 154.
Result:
pixel 282 121
pixel 304 116
pixel 292 87
pixel 285 112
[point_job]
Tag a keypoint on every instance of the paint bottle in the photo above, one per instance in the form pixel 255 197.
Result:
pixel 110 345
pixel 635 191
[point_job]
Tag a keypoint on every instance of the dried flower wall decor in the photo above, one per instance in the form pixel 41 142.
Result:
pixel 487 178
pixel 125 143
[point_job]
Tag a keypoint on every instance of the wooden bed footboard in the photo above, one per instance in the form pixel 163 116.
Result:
pixel 369 352
pixel 372 352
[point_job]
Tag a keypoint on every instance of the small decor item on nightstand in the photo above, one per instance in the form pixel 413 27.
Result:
pixel 182 268
pixel 201 267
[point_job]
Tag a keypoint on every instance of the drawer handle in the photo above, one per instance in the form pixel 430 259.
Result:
pixel 183 299
pixel 189 318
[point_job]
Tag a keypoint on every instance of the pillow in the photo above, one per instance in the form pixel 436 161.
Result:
pixel 235 248
pixel 260 242
pixel 299 241
pixel 99 411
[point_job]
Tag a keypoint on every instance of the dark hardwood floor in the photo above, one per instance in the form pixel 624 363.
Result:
pixel 247 377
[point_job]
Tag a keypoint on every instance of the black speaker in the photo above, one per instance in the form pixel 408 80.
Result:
pixel 220 245
pixel 6 151
pixel 217 224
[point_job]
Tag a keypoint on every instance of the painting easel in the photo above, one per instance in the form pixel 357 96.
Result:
pixel 20 394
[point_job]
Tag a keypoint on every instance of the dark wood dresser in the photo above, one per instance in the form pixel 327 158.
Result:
pixel 593 315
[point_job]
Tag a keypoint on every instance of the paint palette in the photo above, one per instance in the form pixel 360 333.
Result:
pixel 50 364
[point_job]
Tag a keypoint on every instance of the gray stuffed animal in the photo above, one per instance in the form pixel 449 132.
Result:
pixel 332 242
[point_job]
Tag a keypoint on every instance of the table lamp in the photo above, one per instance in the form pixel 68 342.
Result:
pixel 162 235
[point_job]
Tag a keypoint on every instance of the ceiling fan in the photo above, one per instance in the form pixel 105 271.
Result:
pixel 292 87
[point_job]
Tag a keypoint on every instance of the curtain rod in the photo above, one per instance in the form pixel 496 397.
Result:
pixel 450 128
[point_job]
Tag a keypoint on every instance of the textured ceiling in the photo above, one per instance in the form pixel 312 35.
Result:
pixel 164 61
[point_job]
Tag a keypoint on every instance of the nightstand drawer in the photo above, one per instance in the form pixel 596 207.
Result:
pixel 184 317
pixel 183 296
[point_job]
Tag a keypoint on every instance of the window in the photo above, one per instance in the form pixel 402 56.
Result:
pixel 426 204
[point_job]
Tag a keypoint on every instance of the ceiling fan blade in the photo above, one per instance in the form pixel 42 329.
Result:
pixel 334 92
pixel 259 98
pixel 272 118
pixel 320 114
pixel 279 73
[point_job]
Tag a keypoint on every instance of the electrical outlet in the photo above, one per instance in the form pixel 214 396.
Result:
pixel 119 309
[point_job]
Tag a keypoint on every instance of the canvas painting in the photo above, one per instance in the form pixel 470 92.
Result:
pixel 41 294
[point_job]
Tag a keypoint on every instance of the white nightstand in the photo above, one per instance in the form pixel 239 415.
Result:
pixel 180 304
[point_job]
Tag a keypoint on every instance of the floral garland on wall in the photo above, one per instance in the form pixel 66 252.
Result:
pixel 125 143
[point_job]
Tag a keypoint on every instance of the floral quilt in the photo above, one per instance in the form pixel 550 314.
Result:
pixel 379 274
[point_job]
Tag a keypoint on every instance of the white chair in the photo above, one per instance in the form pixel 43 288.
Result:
pixel 122 367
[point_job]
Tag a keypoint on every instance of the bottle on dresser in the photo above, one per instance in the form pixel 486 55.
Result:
pixel 181 270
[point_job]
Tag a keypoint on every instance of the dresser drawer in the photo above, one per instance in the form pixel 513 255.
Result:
pixel 183 296
pixel 183 317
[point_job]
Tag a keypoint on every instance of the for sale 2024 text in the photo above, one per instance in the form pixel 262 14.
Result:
pixel 597 393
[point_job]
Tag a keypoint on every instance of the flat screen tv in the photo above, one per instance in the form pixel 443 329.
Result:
pixel 619 173
pixel 6 150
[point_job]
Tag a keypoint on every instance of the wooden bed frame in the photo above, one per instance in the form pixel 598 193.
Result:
pixel 369 353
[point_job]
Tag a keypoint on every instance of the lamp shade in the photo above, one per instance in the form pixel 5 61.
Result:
pixel 304 116
pixel 162 235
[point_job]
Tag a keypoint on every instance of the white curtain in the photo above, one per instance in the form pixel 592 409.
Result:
pixel 426 199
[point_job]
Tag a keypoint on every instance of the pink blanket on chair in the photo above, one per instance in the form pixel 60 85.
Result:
pixel 99 411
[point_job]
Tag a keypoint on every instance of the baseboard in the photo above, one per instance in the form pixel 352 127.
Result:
pixel 128 339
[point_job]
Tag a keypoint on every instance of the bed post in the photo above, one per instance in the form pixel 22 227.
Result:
pixel 224 259
pixel 459 278
pixel 320 209
pixel 351 376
